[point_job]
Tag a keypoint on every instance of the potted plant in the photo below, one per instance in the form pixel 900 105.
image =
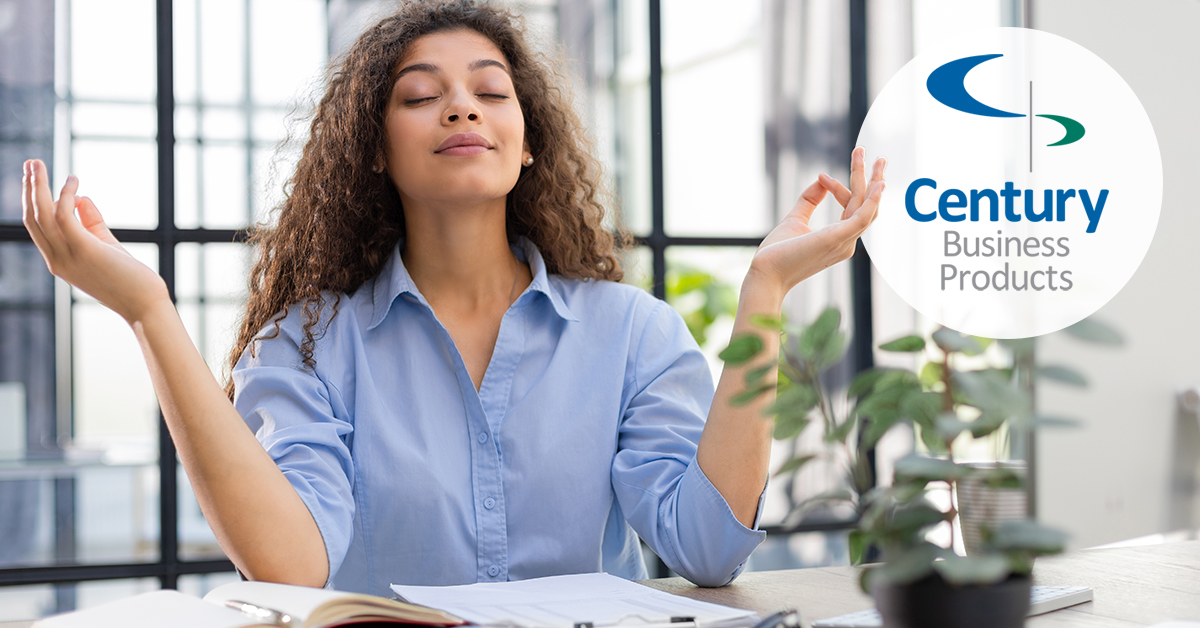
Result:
pixel 918 583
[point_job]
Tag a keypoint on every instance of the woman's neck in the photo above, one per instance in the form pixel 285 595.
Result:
pixel 459 257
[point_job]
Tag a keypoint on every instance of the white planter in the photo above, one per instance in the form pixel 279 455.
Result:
pixel 980 505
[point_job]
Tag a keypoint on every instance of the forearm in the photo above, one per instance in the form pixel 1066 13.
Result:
pixel 256 515
pixel 735 447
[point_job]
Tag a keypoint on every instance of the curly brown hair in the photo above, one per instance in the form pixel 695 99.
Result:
pixel 340 220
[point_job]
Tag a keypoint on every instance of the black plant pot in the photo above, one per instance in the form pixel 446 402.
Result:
pixel 933 603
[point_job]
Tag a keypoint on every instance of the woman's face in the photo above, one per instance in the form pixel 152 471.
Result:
pixel 454 128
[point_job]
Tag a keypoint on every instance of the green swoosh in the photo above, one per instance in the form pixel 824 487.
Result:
pixel 1074 129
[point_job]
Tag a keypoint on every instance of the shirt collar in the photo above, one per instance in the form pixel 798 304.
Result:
pixel 394 280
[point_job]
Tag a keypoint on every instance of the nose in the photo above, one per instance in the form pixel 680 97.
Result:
pixel 460 106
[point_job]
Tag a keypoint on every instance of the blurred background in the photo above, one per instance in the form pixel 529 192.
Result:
pixel 183 119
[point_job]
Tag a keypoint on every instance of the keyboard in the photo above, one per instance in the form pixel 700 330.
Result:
pixel 1042 599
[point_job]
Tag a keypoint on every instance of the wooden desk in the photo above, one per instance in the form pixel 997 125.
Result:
pixel 1135 586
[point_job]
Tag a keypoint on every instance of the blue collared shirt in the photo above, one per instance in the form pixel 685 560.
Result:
pixel 581 437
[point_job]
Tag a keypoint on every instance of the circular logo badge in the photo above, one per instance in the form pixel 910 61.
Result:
pixel 1024 183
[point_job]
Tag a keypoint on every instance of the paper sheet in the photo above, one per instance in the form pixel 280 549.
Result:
pixel 562 601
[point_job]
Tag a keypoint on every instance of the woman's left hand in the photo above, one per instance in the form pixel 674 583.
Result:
pixel 793 251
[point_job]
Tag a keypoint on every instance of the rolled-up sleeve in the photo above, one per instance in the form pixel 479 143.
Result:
pixel 300 421
pixel 662 490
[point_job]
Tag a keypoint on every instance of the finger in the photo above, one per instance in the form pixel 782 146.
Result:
pixel 870 207
pixel 877 172
pixel 807 204
pixel 64 211
pixel 858 177
pixel 90 218
pixel 27 212
pixel 43 208
pixel 835 187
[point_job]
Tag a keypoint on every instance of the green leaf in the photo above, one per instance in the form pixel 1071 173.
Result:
pixel 1063 374
pixel 752 377
pixel 953 341
pixel 948 426
pixel 987 423
pixel 793 465
pixel 858 546
pixel 991 390
pixel 832 351
pixel 998 478
pixel 932 440
pixel 907 344
pixel 897 377
pixel 1092 330
pixel 983 343
pixel 746 397
pixel 917 467
pixel 913 518
pixel 911 564
pixel 961 571
pixel 864 382
pixel 875 427
pixel 1027 536
pixel 762 321
pixel 788 427
pixel 839 433
pixel 921 407
pixel 931 374
pixel 814 337
pixel 794 400
pixel 742 349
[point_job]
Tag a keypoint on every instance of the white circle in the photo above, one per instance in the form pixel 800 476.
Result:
pixel 1116 161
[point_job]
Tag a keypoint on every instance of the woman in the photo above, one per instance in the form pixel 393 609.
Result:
pixel 446 382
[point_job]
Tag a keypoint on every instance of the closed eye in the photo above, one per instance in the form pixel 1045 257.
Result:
pixel 417 101
pixel 494 96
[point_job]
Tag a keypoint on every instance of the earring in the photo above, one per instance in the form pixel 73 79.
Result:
pixel 377 169
pixel 529 161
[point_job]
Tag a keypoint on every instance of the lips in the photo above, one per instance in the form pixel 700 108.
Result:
pixel 464 144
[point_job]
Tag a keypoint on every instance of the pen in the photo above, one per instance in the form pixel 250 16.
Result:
pixel 676 622
pixel 787 618
pixel 260 613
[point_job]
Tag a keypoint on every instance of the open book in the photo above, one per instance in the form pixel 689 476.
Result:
pixel 250 604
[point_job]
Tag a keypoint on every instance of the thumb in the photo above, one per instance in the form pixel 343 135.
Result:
pixel 90 218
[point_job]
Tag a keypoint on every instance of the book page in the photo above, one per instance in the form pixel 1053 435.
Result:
pixel 563 601
pixel 152 610
pixel 297 601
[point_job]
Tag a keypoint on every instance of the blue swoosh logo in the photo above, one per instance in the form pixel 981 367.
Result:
pixel 946 85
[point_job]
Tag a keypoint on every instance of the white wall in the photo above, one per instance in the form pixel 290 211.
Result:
pixel 1110 480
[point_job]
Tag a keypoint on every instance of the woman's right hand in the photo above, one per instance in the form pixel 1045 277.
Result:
pixel 83 251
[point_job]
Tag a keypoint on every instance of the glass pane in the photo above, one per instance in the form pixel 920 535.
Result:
pixel 638 263
pixel 801 551
pixel 630 132
pixel 273 168
pixel 703 285
pixel 105 120
pixel 28 407
pixel 225 199
pixel 121 178
pixel 222 55
pixel 116 517
pixel 712 75
pixel 187 186
pixel 187 81
pixel 26 602
pixel 223 123
pixel 112 46
pixel 289 45
pixel 116 412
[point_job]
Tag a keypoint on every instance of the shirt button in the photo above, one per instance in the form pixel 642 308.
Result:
pixel 493 571
pixel 482 437
pixel 489 503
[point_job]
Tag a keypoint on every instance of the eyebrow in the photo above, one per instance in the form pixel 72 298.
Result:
pixel 433 69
